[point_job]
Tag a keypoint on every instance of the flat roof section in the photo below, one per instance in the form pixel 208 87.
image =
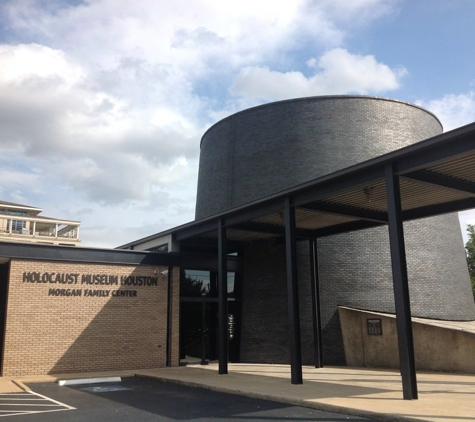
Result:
pixel 9 250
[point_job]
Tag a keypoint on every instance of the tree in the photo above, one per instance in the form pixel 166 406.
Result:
pixel 470 248
pixel 192 287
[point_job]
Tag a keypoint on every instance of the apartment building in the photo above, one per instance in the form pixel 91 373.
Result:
pixel 22 223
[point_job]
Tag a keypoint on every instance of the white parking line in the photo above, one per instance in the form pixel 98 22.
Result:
pixel 32 403
pixel 10 399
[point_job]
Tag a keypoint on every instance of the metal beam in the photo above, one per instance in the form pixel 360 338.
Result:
pixel 251 226
pixel 271 229
pixel 441 180
pixel 438 149
pixel 344 228
pixel 194 229
pixel 401 286
pixel 250 212
pixel 438 209
pixel 292 293
pixel 332 183
pixel 315 287
pixel 223 300
pixel 348 211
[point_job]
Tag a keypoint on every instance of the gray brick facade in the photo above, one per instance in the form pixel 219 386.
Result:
pixel 269 148
pixel 265 149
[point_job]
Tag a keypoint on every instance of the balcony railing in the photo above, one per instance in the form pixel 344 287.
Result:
pixel 41 231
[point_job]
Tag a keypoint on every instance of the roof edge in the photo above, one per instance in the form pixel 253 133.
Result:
pixel 323 97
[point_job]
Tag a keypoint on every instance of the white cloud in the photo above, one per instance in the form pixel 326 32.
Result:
pixel 16 179
pixel 86 135
pixel 196 35
pixel 336 72
pixel 452 110
pixel 109 98
pixel 33 62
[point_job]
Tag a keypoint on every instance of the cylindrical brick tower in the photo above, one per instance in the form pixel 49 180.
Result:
pixel 266 149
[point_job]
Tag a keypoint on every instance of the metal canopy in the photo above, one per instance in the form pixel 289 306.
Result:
pixel 433 177
pixel 437 176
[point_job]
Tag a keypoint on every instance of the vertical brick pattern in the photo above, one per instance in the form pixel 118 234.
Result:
pixel 48 334
pixel 269 148
pixel 175 318
pixel 265 329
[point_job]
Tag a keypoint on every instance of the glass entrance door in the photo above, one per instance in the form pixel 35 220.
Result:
pixel 199 327
pixel 199 317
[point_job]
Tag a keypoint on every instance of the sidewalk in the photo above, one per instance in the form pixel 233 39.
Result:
pixel 361 392
pixel 8 386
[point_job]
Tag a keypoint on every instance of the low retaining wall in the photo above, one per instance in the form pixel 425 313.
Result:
pixel 370 340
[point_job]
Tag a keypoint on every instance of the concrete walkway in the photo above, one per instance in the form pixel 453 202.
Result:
pixel 8 386
pixel 362 392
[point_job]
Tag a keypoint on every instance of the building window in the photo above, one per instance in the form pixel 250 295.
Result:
pixel 17 225
pixel 197 283
pixel 20 213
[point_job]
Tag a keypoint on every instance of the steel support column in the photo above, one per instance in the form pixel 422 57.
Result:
pixel 401 286
pixel 315 287
pixel 223 299
pixel 292 293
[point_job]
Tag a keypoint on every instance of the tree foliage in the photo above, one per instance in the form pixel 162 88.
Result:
pixel 192 287
pixel 470 248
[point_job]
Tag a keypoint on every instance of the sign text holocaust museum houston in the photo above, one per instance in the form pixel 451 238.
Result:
pixel 322 225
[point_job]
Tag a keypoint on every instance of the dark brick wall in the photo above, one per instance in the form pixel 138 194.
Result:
pixel 265 329
pixel 266 149
pixel 264 332
pixel 437 280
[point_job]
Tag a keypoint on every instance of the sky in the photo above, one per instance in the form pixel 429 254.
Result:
pixel 103 102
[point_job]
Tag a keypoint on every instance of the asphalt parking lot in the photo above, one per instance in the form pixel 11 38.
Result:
pixel 140 399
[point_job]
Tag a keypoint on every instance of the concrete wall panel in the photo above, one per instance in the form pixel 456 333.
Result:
pixel 436 348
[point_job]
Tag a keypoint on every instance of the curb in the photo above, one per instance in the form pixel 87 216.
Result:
pixel 265 396
pixel 21 385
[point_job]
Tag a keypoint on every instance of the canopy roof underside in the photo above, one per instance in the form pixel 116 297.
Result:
pixel 436 176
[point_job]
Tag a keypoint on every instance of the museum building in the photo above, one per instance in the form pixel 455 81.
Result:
pixel 308 210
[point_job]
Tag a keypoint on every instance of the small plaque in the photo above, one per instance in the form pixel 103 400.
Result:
pixel 375 327
pixel 231 326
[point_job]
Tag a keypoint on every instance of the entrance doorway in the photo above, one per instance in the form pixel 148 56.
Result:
pixel 199 317
pixel 199 331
